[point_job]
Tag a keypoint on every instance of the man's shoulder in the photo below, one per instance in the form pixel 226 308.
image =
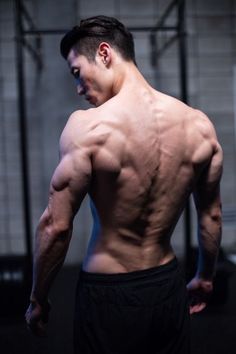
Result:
pixel 80 118
pixel 202 123
pixel 85 128
pixel 75 131
pixel 80 122
pixel 173 105
pixel 88 118
pixel 203 136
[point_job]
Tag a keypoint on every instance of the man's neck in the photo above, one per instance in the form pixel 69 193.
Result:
pixel 126 76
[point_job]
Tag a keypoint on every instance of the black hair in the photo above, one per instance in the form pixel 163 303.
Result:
pixel 94 30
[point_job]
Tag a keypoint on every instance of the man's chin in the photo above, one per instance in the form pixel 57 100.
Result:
pixel 91 100
pixel 94 101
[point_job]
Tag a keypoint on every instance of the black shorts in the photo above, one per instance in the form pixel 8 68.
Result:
pixel 142 312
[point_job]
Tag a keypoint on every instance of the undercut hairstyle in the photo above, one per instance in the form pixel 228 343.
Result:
pixel 92 31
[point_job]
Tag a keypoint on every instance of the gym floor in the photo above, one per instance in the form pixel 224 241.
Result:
pixel 213 331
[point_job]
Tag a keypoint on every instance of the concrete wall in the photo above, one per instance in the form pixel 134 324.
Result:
pixel 51 97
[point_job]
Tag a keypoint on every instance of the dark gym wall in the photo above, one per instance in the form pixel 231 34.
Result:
pixel 51 98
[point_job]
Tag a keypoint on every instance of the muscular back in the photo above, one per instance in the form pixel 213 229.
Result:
pixel 147 155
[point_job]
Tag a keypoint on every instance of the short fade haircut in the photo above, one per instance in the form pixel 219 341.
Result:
pixel 92 31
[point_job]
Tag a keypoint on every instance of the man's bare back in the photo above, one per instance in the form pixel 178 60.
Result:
pixel 147 154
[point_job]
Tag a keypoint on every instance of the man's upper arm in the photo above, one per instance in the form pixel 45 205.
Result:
pixel 207 190
pixel 71 179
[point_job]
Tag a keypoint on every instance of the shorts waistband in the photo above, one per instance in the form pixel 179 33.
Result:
pixel 161 272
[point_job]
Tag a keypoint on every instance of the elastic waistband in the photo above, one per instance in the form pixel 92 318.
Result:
pixel 161 272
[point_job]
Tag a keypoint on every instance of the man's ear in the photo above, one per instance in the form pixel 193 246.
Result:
pixel 104 52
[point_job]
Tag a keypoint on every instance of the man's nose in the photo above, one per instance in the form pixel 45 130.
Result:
pixel 80 87
pixel 80 90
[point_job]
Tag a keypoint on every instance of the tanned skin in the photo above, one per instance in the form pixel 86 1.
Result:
pixel 139 154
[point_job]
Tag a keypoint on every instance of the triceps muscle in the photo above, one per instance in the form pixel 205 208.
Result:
pixel 70 183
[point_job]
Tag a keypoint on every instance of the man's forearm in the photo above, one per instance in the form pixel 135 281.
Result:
pixel 209 244
pixel 50 251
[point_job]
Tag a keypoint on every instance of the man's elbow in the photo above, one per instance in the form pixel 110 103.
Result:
pixel 211 221
pixel 60 231
pixel 216 215
pixel 54 228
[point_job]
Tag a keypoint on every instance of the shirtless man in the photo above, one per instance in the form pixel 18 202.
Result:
pixel 139 154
